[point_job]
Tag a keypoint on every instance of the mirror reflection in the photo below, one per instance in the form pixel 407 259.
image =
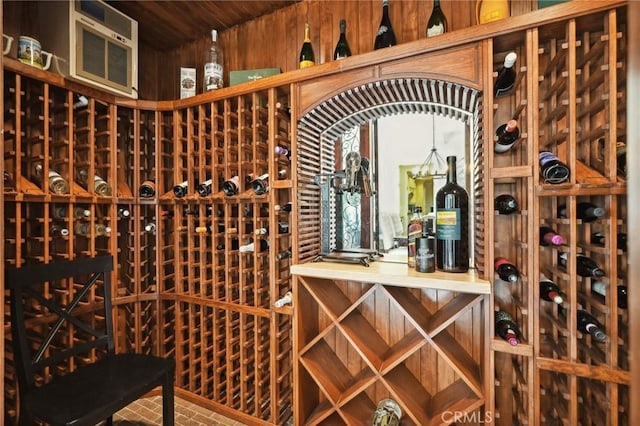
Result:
pixel 407 155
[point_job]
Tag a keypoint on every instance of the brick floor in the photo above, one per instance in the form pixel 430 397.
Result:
pixel 148 412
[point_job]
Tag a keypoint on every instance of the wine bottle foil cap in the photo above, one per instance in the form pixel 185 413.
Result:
pixel 510 59
pixel 511 125
pixel 597 272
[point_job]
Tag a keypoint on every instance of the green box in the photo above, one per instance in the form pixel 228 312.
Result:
pixel 546 3
pixel 243 76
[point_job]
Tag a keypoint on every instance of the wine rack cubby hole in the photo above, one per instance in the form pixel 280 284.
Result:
pixel 185 290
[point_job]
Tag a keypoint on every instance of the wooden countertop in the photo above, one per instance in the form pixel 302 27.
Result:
pixel 396 274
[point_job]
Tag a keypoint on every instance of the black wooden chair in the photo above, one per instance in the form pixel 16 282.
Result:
pixel 93 391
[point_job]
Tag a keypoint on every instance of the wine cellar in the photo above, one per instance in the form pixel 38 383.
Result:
pixel 209 208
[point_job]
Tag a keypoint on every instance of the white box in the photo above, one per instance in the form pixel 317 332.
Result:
pixel 187 82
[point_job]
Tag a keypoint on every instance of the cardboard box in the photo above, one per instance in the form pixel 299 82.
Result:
pixel 188 82
pixel 243 76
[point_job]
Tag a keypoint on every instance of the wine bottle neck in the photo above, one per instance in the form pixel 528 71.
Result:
pixel 451 170
pixel 307 36
pixel 436 4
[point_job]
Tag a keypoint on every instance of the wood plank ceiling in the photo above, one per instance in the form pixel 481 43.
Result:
pixel 165 25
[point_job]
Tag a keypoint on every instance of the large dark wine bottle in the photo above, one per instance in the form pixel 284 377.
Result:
pixel 506 270
pixel 552 169
pixel 385 37
pixel 508 134
pixel 452 224
pixel 437 23
pixel 507 328
pixel 506 204
pixel 588 324
pixel 342 47
pixel 307 58
pixel 585 266
pixel 600 288
pixel 506 76
pixel 181 189
pixel 585 211
pixel 549 291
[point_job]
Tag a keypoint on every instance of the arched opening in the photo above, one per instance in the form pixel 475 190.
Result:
pixel 327 122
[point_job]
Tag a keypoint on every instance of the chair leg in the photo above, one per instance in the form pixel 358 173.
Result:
pixel 167 401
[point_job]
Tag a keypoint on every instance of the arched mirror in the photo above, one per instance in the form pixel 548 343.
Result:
pixel 399 129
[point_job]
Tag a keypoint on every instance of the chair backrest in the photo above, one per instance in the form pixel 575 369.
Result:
pixel 50 308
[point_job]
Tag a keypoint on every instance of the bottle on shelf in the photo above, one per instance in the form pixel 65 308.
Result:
pixel 508 134
pixel 181 189
pixel 59 212
pixel 213 71
pixel 506 270
pixel 552 169
pixel 286 208
pixel 150 227
pixel 425 251
pixel 283 228
pixel 147 189
pixel 82 228
pixel 57 184
pixel 388 413
pixel 102 230
pixel 81 213
pixel 549 291
pixel 588 324
pixel 385 37
pixel 204 188
pixel 600 288
pixel 506 76
pixel 58 231
pixel 585 211
pixel 124 213
pixel 284 254
pixel 342 49
pixel 9 183
pixel 437 23
pixel 307 58
pixel 235 244
pixel 507 328
pixel 452 224
pixel 585 266
pixel 279 150
pixel 284 300
pixel 414 230
pixel 550 237
pixel 263 245
pixel 260 185
pixel 506 204
pixel 100 186
pixel 232 186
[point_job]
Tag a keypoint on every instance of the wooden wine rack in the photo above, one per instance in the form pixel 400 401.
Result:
pixel 351 339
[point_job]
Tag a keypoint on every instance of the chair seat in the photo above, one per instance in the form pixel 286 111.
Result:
pixel 93 392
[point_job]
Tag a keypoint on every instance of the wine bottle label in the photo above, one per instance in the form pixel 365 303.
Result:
pixel 448 224
pixel 435 30
pixel 212 71
pixel 306 64
pixel 501 91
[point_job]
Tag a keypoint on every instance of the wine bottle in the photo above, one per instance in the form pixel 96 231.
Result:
pixel 506 204
pixel 284 300
pixel 506 76
pixel 181 189
pixel 508 134
pixel 342 49
pixel 147 189
pixel 425 251
pixel 59 212
pixel 549 291
pixel 102 230
pixel 286 208
pixel 283 228
pixel 437 23
pixel 231 186
pixel 150 227
pixel 263 245
pixel 123 213
pixel 204 188
pixel 507 328
pixel 58 231
pixel 80 213
pixel 100 186
pixel 279 150
pixel 588 324
pixel 506 270
pixel 81 228
pixel 307 58
pixel 600 288
pixel 260 185
pixel 213 69
pixel 414 230
pixel 284 254
pixel 552 169
pixel 585 266
pixel 549 236
pixel 235 244
pixel 452 224
pixel 585 211
pixel 57 184
pixel 385 37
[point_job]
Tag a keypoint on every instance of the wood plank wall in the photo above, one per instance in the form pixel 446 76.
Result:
pixel 274 40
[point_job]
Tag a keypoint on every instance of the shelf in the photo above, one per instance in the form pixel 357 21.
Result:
pixel 395 274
